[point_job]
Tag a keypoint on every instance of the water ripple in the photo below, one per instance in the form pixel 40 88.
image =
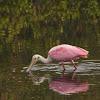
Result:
pixel 84 66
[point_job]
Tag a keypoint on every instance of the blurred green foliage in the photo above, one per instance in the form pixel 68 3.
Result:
pixel 16 15
pixel 30 24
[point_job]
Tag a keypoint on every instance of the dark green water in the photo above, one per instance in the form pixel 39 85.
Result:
pixel 30 27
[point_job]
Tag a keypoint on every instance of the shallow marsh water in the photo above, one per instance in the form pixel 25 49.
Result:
pixel 48 81
pixel 30 27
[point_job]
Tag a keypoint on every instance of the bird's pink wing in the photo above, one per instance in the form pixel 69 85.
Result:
pixel 66 52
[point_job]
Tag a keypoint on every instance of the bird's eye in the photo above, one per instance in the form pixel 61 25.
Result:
pixel 38 57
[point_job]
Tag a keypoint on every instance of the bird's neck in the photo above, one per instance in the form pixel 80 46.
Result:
pixel 45 60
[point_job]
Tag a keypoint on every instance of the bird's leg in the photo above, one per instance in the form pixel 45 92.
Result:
pixel 74 64
pixel 63 65
pixel 73 74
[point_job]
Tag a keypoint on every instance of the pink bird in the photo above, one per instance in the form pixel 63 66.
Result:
pixel 61 53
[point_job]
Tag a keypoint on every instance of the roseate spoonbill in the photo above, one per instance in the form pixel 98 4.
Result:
pixel 61 53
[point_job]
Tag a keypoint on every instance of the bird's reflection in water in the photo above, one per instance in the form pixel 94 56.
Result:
pixel 38 80
pixel 64 85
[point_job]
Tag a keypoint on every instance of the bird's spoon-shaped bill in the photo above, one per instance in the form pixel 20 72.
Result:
pixel 31 64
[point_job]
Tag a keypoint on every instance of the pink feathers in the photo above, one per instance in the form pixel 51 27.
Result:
pixel 67 52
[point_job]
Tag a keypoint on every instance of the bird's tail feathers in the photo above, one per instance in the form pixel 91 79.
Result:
pixel 84 56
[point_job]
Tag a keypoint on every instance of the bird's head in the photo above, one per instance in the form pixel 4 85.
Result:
pixel 35 58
